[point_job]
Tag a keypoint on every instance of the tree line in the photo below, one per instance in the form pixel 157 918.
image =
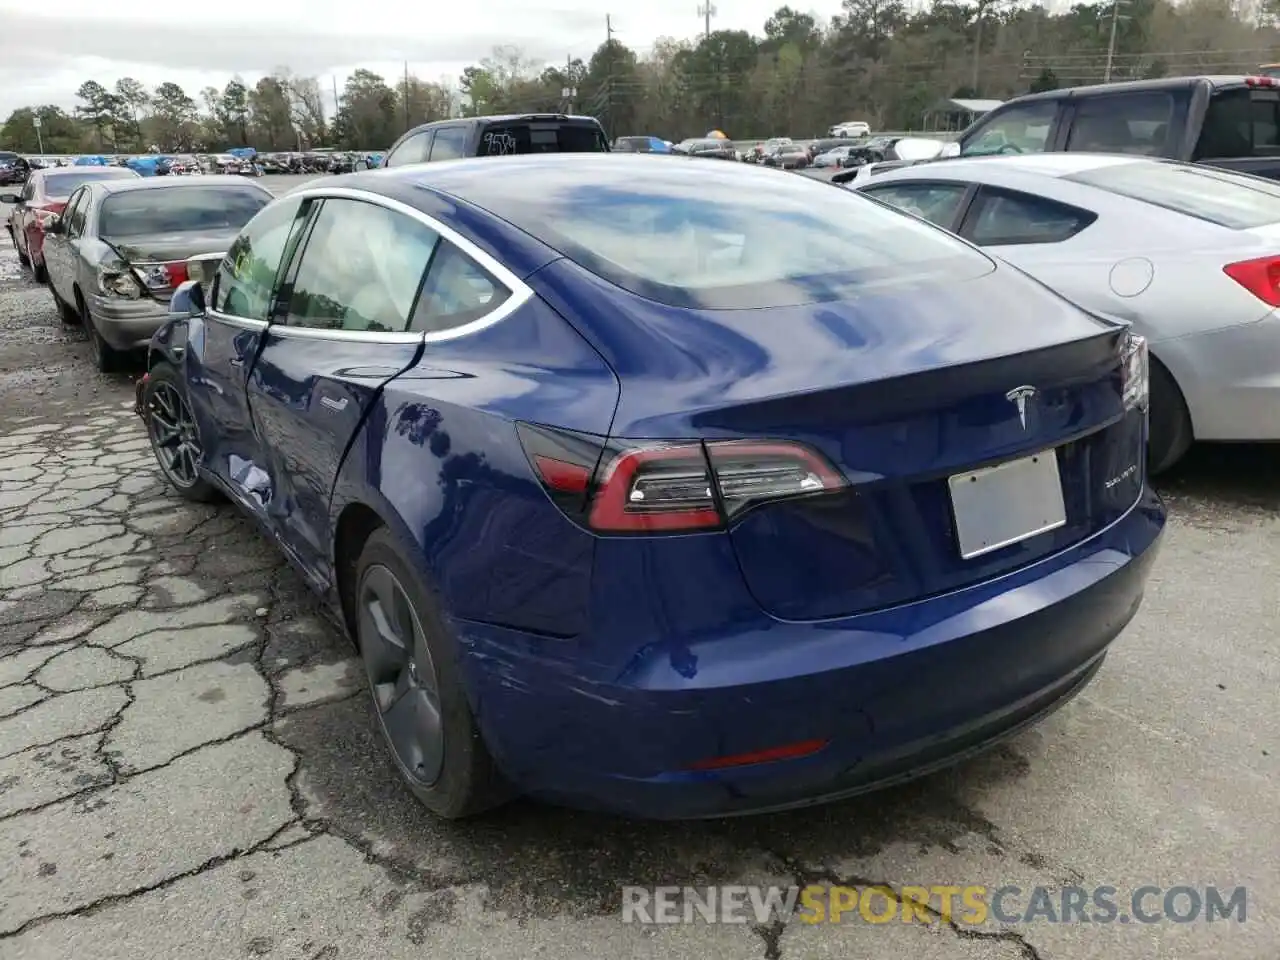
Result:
pixel 876 60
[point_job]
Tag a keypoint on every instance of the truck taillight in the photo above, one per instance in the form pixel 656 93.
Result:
pixel 670 486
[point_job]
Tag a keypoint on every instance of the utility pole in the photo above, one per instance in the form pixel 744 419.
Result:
pixel 406 95
pixel 1111 45
pixel 608 76
pixel 707 11
pixel 569 92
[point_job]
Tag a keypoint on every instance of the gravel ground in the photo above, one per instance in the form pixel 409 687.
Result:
pixel 188 768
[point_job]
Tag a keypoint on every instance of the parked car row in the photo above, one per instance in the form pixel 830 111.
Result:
pixel 902 515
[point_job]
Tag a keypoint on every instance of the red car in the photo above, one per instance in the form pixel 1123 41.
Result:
pixel 44 194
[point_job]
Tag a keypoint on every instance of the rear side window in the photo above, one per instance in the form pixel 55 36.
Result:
pixel 1228 199
pixel 936 202
pixel 730 240
pixel 1008 217
pixel 413 150
pixel 1240 123
pixel 135 213
pixel 76 212
pixel 507 139
pixel 457 291
pixel 1128 123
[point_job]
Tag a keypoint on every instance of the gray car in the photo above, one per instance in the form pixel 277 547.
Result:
pixel 1187 254
pixel 120 247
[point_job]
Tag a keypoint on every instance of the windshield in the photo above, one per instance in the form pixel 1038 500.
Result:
pixel 742 239
pixel 135 213
pixel 507 139
pixel 62 184
pixel 1227 199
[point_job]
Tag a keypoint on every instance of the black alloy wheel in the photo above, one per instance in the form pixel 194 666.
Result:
pixel 402 675
pixel 419 697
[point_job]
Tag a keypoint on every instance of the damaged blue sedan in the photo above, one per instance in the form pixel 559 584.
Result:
pixel 661 489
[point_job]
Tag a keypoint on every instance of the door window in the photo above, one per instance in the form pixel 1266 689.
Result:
pixel 936 202
pixel 361 269
pixel 247 275
pixel 413 150
pixel 77 212
pixel 28 191
pixel 457 291
pixel 450 143
pixel 1006 217
pixel 1136 123
pixel 1020 129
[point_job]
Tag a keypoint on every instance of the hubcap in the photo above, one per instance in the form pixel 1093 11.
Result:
pixel 173 434
pixel 401 673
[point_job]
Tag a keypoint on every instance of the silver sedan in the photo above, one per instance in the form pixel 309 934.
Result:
pixel 1189 255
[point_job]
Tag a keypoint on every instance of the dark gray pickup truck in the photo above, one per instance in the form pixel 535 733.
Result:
pixel 1225 121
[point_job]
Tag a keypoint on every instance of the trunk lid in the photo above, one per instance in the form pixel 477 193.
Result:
pixel 900 391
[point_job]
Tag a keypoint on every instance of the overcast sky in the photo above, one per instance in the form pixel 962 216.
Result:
pixel 46 55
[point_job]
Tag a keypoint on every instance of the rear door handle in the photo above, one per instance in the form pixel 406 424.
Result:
pixel 237 361
pixel 334 404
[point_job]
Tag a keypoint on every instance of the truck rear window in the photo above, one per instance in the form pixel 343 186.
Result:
pixel 509 139
pixel 1241 123
pixel 1231 200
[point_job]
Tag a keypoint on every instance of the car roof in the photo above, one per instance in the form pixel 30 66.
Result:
pixel 1132 86
pixel 174 183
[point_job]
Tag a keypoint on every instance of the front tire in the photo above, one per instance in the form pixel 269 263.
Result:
pixel 175 439
pixel 1169 425
pixel 419 701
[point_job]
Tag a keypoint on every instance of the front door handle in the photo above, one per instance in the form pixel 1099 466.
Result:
pixel 237 361
pixel 334 404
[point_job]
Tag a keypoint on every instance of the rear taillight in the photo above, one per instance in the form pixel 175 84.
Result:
pixel 1135 371
pixel 161 276
pixel 1260 277
pixel 670 486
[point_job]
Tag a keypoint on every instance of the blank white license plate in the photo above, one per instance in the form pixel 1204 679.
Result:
pixel 1009 502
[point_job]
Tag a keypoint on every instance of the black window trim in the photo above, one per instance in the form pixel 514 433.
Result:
pixel 966 225
pixel 521 292
pixel 73 207
pixel 969 190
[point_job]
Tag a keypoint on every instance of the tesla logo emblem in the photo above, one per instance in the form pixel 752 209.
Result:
pixel 1019 397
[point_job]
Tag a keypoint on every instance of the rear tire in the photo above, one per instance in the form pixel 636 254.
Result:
pixel 419 700
pixel 67 314
pixel 105 357
pixel 38 272
pixel 1169 431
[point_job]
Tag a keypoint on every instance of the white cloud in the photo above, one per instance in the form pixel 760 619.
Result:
pixel 45 56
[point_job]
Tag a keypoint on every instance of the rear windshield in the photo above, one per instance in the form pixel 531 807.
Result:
pixel 508 139
pixel 744 239
pixel 1241 123
pixel 136 213
pixel 1228 199
pixel 62 184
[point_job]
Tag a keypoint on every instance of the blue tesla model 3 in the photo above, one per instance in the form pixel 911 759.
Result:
pixel 668 488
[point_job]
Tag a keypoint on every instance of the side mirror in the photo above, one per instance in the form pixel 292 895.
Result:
pixel 952 149
pixel 188 299
pixel 10 198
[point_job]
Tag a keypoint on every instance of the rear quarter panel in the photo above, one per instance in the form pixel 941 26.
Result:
pixel 439 460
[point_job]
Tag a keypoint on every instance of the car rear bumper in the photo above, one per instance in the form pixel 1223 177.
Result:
pixel 887 696
pixel 127 324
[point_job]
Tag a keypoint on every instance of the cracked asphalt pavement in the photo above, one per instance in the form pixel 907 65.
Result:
pixel 188 768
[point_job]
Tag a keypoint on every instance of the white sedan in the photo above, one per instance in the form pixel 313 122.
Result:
pixel 1188 254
